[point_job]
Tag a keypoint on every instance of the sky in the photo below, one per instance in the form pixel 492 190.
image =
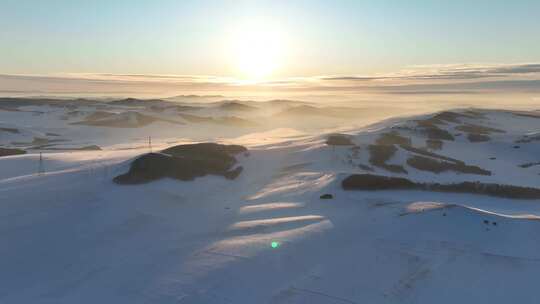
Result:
pixel 231 41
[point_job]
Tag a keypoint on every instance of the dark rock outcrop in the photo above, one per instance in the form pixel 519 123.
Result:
pixel 184 162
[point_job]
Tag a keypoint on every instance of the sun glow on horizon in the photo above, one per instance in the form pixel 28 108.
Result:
pixel 257 50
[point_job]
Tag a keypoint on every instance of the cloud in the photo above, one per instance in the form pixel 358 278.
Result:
pixel 448 72
pixel 421 80
pixel 353 78
pixel 519 69
pixel 504 86
pixel 434 92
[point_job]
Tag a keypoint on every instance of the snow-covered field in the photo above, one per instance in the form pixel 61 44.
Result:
pixel 70 235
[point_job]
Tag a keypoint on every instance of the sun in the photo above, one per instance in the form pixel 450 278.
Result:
pixel 257 51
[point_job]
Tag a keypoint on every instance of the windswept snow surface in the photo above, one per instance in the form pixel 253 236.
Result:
pixel 70 235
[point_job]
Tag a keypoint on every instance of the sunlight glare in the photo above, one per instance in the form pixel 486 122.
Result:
pixel 258 51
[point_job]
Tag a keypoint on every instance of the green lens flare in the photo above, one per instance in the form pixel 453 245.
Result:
pixel 275 244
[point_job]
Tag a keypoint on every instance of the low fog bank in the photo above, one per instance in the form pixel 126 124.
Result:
pixel 51 123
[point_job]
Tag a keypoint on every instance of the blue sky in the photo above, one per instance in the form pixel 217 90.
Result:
pixel 322 37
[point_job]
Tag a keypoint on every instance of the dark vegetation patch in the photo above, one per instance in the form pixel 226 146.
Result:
pixel 339 140
pixel 478 133
pixel 384 149
pixel 10 130
pixel 492 189
pixel 436 163
pixel 444 118
pixel 205 150
pixel 380 154
pixel 436 166
pixel 393 138
pixel 527 139
pixel 478 129
pixel 434 144
pixel 431 127
pixel 454 117
pixel 432 131
pixel 429 154
pixel 377 182
pixel 474 137
pixel 528 165
pixel 184 162
pixel 437 133
pixel 402 127
pixel 8 152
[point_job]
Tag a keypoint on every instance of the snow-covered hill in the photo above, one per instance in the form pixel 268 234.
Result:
pixel 71 235
pixel 75 123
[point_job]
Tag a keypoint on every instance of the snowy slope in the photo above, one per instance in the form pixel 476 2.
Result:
pixel 72 236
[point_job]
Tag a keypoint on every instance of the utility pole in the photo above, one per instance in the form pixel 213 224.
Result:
pixel 150 143
pixel 41 168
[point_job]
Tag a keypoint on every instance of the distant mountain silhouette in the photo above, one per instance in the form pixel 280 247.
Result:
pixel 235 106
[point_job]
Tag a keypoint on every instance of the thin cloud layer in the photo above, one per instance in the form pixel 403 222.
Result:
pixel 450 72
pixel 438 79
